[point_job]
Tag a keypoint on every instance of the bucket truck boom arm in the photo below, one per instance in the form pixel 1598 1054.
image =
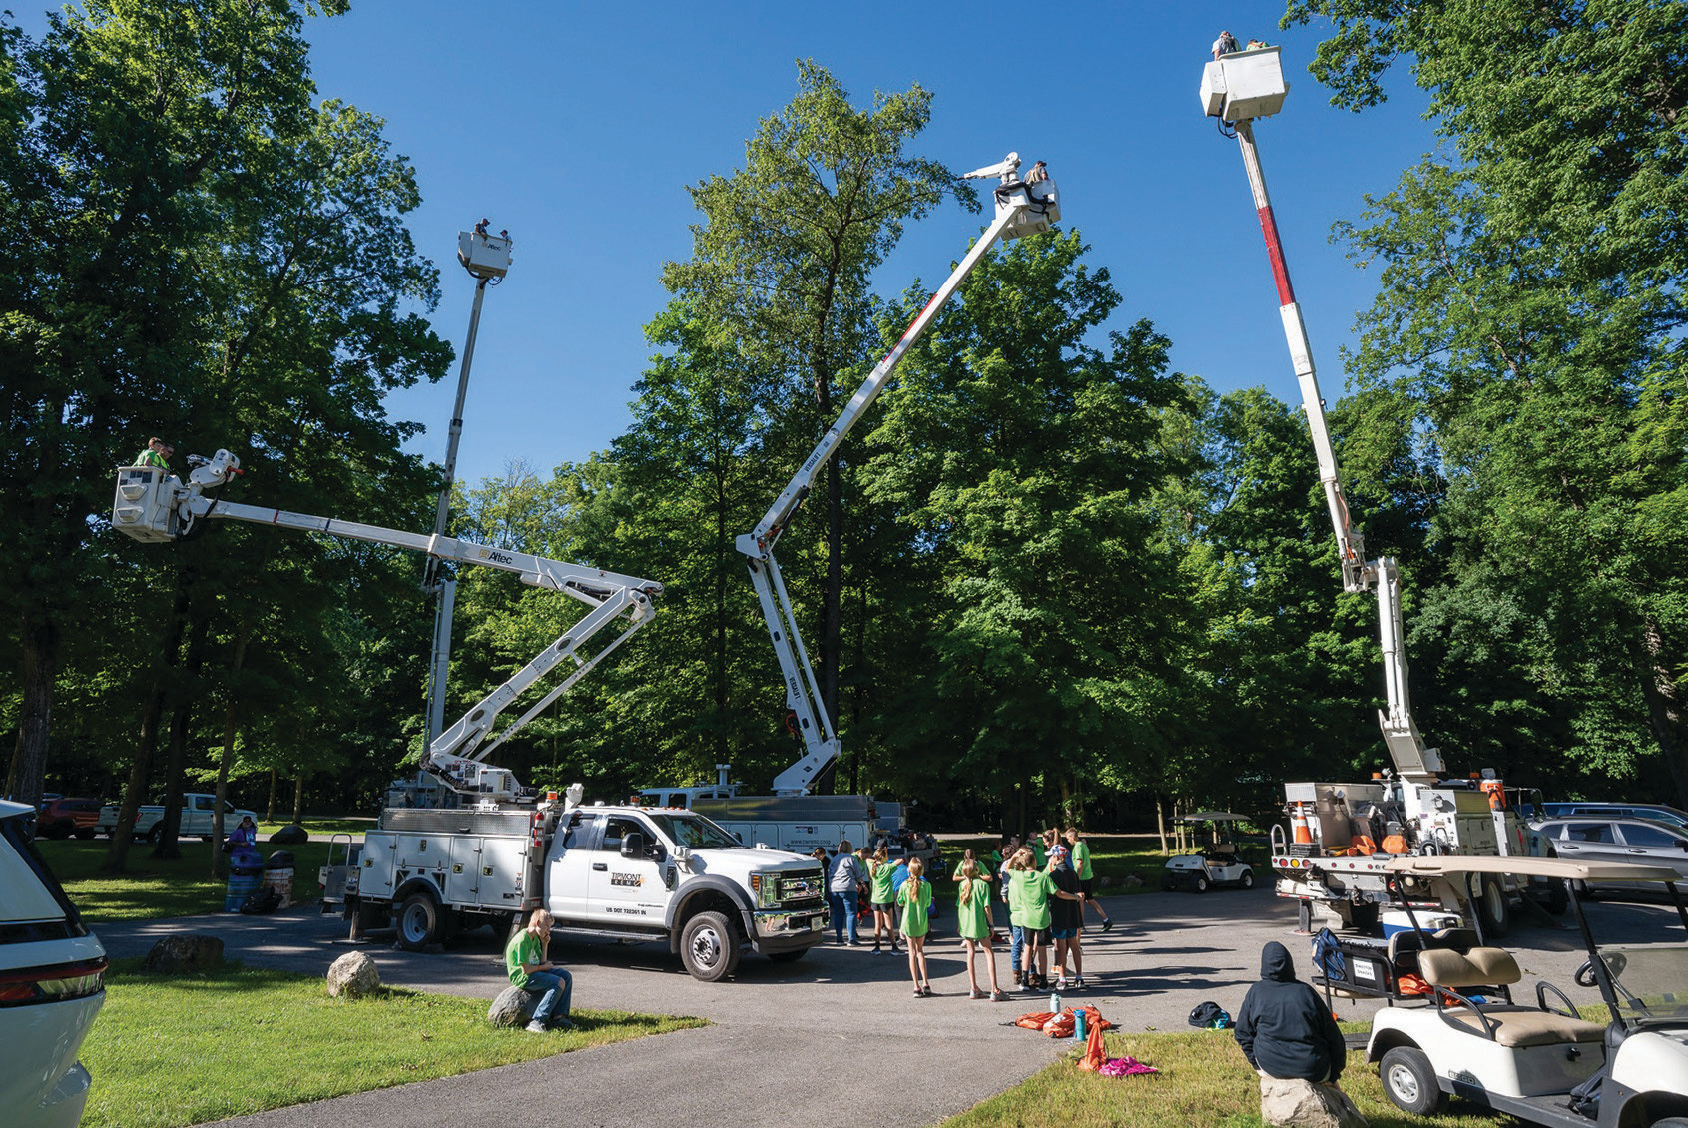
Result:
pixel 153 505
pixel 1023 207
pixel 1236 89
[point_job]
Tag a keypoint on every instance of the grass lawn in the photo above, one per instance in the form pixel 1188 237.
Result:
pixel 157 888
pixel 1204 1082
pixel 176 1050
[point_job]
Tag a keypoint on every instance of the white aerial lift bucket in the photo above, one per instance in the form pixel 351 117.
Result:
pixel 1244 85
pixel 484 256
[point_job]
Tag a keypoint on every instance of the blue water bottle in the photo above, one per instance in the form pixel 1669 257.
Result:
pixel 1079 1024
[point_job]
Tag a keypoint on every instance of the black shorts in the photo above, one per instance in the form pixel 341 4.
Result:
pixel 1087 886
pixel 884 906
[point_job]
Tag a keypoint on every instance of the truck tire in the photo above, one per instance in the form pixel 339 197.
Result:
pixel 1492 909
pixel 85 835
pixel 1409 1081
pixel 155 834
pixel 709 947
pixel 421 922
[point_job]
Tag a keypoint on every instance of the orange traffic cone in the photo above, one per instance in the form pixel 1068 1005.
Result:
pixel 1300 832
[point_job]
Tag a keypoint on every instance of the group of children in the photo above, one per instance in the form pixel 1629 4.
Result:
pixel 1045 886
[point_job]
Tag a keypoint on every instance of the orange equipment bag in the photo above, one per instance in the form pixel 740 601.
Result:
pixel 1034 1020
pixel 1060 1025
pixel 1094 1054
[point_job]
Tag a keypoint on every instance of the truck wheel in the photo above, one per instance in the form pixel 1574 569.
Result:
pixel 1410 1082
pixel 1247 879
pixel 85 835
pixel 1492 909
pixel 709 947
pixel 420 920
pixel 156 833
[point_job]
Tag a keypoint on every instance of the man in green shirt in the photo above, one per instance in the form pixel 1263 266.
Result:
pixel 531 969
pixel 1086 876
pixel 157 453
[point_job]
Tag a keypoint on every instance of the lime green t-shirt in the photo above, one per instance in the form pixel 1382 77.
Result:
pixel 1081 861
pixel 882 891
pixel 524 948
pixel 1039 854
pixel 916 917
pixel 1028 897
pixel 973 918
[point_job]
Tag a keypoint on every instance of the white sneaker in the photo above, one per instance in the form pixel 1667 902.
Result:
pixel 535 1028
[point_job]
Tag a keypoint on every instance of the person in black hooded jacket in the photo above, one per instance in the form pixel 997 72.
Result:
pixel 1284 1027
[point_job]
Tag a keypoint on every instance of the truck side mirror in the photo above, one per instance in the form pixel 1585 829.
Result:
pixel 633 845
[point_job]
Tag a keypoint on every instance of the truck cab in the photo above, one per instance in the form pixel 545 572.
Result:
pixel 675 874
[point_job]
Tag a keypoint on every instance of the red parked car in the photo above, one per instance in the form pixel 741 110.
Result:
pixel 61 818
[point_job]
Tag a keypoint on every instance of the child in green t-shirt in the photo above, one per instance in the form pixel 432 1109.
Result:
pixel 882 896
pixel 973 916
pixel 915 897
pixel 1086 875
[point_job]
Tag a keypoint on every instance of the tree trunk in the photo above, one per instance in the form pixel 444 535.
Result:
pixel 169 839
pixel 40 645
pixel 1664 708
pixel 1160 825
pixel 269 812
pixel 152 714
pixel 299 799
pixel 231 713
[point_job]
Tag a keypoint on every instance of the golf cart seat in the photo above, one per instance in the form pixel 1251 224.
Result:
pixel 1505 1024
pixel 1406 946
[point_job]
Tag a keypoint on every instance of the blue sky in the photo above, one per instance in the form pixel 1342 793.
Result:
pixel 578 127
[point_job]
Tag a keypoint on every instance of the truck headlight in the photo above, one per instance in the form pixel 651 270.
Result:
pixel 766 888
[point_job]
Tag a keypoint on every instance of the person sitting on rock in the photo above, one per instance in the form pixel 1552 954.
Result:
pixel 531 969
pixel 1284 1028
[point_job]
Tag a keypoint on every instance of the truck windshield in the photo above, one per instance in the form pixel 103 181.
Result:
pixel 693 831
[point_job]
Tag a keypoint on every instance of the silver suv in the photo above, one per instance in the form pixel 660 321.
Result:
pixel 52 983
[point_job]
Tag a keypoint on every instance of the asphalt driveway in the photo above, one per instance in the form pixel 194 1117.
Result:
pixel 790 1042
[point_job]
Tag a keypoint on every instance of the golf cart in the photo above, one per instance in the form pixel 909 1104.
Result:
pixel 1214 863
pixel 1540 1063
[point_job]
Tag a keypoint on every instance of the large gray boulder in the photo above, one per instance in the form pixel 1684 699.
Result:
pixel 189 952
pixel 289 836
pixel 353 976
pixel 1294 1103
pixel 513 1007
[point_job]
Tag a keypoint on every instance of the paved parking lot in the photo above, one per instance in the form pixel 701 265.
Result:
pixel 802 1032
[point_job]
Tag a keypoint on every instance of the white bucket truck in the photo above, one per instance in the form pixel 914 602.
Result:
pixel 1344 835
pixel 615 873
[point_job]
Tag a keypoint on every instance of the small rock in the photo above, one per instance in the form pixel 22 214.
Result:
pixel 1294 1103
pixel 354 976
pixel 289 836
pixel 513 1007
pixel 1132 881
pixel 174 955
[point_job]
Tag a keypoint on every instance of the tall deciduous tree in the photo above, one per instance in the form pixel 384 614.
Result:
pixel 787 248
pixel 1018 455
pixel 1531 315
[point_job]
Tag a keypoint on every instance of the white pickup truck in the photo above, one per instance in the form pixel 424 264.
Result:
pixel 622 873
pixel 198 815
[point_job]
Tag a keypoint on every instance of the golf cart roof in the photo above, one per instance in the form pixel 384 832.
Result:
pixel 1449 864
pixel 1212 816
